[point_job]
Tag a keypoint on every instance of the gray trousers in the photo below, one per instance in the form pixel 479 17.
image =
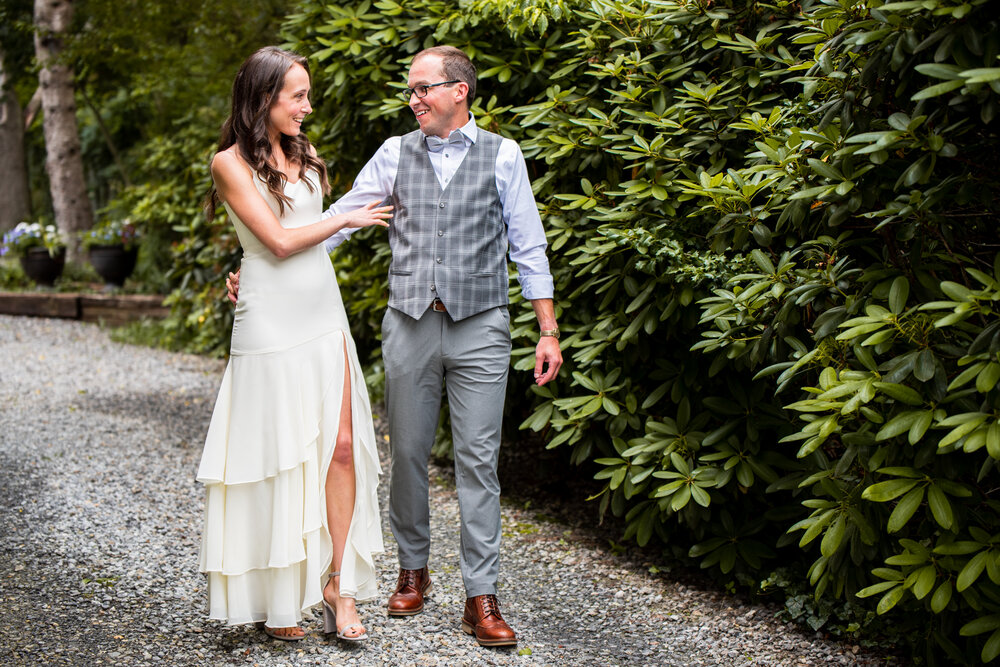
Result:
pixel 471 357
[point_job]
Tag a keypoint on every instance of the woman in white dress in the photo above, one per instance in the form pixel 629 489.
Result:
pixel 290 465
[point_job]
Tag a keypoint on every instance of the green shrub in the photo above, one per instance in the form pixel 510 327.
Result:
pixel 198 253
pixel 772 231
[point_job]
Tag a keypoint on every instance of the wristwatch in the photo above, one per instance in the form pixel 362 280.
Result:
pixel 550 332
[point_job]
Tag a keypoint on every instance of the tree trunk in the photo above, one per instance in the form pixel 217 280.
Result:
pixel 63 161
pixel 16 202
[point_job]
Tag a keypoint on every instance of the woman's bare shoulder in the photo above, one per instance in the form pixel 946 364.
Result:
pixel 229 165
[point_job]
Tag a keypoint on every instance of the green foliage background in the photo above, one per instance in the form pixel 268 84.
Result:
pixel 152 90
pixel 772 227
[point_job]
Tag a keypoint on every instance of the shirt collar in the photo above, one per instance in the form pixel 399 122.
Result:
pixel 470 129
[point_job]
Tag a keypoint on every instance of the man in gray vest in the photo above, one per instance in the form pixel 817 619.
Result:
pixel 461 196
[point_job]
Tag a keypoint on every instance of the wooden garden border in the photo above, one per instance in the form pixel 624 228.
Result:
pixel 110 309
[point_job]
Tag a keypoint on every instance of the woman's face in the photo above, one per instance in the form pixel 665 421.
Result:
pixel 292 105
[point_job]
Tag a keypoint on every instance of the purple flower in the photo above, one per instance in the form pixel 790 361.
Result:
pixel 30 235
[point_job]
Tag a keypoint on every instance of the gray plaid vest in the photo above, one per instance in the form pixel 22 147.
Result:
pixel 450 244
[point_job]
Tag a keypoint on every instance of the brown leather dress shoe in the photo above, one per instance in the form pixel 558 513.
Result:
pixel 411 587
pixel 482 618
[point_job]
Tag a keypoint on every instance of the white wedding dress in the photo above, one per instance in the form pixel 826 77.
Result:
pixel 266 543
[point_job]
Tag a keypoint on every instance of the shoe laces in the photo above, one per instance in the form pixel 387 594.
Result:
pixel 491 606
pixel 407 578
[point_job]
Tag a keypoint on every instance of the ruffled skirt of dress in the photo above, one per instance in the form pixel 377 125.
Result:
pixel 266 543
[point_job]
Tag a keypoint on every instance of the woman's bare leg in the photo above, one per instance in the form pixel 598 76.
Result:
pixel 340 490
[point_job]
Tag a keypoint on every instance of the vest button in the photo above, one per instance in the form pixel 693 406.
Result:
pixel 438 260
pixel 440 233
pixel 441 204
pixel 433 288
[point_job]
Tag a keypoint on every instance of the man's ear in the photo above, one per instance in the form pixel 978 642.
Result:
pixel 461 92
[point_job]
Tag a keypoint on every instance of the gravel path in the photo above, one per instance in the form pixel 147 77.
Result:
pixel 100 519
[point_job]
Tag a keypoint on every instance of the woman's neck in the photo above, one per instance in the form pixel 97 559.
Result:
pixel 280 161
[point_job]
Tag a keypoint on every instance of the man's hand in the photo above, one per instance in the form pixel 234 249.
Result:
pixel 548 359
pixel 548 356
pixel 233 285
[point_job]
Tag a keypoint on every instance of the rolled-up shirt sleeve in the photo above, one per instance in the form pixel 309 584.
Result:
pixel 524 226
pixel 373 183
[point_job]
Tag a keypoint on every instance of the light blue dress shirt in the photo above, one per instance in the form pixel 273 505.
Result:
pixel 524 226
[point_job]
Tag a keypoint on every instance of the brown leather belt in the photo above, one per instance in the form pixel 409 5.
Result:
pixel 437 306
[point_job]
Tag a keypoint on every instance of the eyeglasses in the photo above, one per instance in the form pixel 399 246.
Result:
pixel 421 90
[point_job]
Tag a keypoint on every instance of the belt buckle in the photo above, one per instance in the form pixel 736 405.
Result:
pixel 437 306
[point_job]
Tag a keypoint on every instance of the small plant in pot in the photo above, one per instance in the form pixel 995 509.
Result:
pixel 40 248
pixel 112 247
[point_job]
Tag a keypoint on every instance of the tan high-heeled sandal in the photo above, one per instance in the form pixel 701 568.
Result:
pixel 270 632
pixel 330 619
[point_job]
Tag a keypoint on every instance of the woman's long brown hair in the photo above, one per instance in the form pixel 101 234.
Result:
pixel 255 89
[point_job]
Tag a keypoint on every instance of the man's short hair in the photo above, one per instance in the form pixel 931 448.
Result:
pixel 456 65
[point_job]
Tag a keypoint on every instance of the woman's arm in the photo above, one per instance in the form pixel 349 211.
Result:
pixel 234 182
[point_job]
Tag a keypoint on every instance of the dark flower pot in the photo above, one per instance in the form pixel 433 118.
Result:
pixel 113 262
pixel 42 267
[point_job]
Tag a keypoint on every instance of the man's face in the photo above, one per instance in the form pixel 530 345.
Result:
pixel 442 109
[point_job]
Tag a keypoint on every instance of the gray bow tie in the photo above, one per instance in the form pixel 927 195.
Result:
pixel 437 144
